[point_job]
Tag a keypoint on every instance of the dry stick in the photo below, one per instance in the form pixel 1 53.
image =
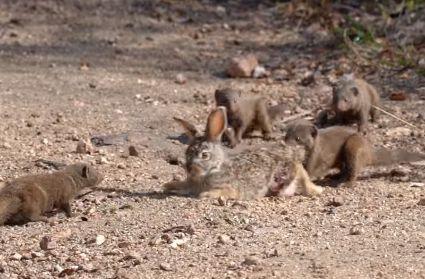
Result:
pixel 396 117
pixel 296 116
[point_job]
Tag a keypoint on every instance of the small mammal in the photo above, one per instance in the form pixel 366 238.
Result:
pixel 352 102
pixel 27 198
pixel 213 173
pixel 246 114
pixel 343 148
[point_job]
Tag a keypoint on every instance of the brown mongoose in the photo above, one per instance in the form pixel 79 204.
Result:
pixel 27 198
pixel 341 147
pixel 246 114
pixel 352 102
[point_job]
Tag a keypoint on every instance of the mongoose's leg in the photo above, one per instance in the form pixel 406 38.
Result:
pixel 263 119
pixel 355 157
pixel 66 207
pixel 362 122
pixel 230 134
pixel 240 131
pixel 374 114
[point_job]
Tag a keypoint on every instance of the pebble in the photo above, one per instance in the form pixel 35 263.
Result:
pixel 421 202
pixel 417 184
pixel 46 243
pixel 102 161
pixel 260 72
pixel 132 151
pixel 100 239
pixel 356 231
pixel 223 239
pixel 16 257
pixel 84 147
pixel 165 267
pixel 336 201
pixel 242 66
pixel 181 79
pixel 251 260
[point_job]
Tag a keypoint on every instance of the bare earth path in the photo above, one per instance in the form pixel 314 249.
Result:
pixel 71 71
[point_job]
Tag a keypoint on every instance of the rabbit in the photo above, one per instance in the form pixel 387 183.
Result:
pixel 213 173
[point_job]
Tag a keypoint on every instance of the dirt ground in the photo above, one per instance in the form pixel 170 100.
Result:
pixel 71 70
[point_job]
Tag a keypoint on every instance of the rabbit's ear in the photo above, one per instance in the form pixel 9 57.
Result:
pixel 189 128
pixel 216 125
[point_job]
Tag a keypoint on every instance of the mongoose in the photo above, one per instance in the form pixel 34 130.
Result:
pixel 341 147
pixel 352 102
pixel 246 114
pixel 27 198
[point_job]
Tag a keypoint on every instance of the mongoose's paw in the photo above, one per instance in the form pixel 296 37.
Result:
pixel 349 184
pixel 227 193
pixel 269 136
pixel 177 188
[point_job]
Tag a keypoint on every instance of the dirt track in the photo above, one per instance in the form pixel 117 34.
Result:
pixel 71 71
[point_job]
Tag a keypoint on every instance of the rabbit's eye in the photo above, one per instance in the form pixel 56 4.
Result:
pixel 205 155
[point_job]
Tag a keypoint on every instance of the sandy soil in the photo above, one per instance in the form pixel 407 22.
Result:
pixel 78 69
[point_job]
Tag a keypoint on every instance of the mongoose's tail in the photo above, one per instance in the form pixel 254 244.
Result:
pixel 8 207
pixel 385 156
pixel 275 111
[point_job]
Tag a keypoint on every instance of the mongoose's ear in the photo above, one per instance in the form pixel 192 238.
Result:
pixel 217 124
pixel 190 129
pixel 85 172
pixel 314 131
pixel 355 91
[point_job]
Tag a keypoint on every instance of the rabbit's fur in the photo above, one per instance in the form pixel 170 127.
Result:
pixel 212 173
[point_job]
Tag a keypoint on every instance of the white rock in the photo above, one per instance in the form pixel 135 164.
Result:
pixel 259 72
pixel 100 239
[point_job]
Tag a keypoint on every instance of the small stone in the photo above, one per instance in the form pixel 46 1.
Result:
pixel 178 242
pixel 223 239
pixel 121 166
pixel 69 271
pixel 132 151
pixel 46 243
pixel 58 268
pixel 100 239
pixel 45 141
pixel 336 201
pixel 84 147
pixel 242 66
pixel 417 184
pixel 260 72
pixel 37 255
pixel 398 96
pixel 16 257
pixel 221 201
pixel 356 231
pixel 421 202
pixel 180 79
pixel 272 253
pixel 165 267
pixel 251 260
pixel 102 161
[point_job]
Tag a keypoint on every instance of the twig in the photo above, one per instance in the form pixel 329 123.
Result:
pixel 296 116
pixel 396 117
pixel 84 194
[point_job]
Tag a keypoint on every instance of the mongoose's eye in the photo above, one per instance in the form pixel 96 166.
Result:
pixel 298 139
pixel 205 155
